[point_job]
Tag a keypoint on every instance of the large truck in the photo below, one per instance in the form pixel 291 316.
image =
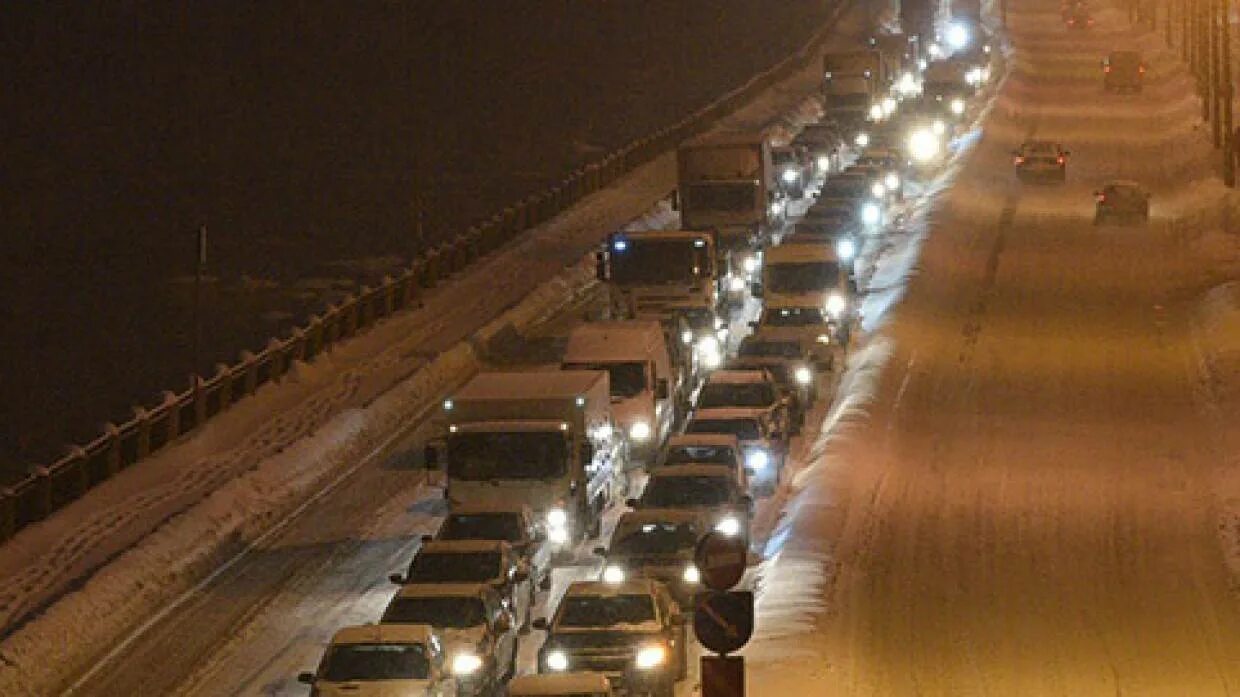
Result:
pixel 544 439
pixel 726 183
pixel 852 81
pixel 655 274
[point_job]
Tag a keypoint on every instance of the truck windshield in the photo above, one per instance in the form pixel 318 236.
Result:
pixel 472 567
pixel 361 662
pixel 482 526
pixel 743 429
pixel 627 379
pixel 794 317
pixel 447 612
pixel 801 277
pixel 500 455
pixel 730 198
pixel 660 261
pixel 655 538
pixel 701 454
pixel 674 492
pixel 756 394
pixel 846 187
pixel 605 610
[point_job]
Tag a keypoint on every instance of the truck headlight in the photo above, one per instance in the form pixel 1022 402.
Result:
pixel 639 431
pixel 803 375
pixel 790 176
pixel 651 657
pixel 871 214
pixel 823 338
pixel 749 264
pixel 923 145
pixel 557 536
pixel 862 140
pixel 876 112
pixel 824 163
pixel 891 181
pixel 465 664
pixel 736 284
pixel 836 304
pixel 710 352
pixel 957 106
pixel 557 518
pixel 756 460
pixel 613 574
pixel 557 660
pixel 691 575
pixel 846 249
pixel 729 526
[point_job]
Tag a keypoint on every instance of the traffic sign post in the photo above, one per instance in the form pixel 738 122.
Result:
pixel 723 676
pixel 723 622
pixel 721 560
pixel 722 618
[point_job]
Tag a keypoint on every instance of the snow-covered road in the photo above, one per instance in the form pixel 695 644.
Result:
pixel 1028 508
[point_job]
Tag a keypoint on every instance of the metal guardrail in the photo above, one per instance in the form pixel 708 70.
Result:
pixel 51 487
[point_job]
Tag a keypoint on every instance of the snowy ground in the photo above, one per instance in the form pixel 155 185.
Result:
pixel 1031 502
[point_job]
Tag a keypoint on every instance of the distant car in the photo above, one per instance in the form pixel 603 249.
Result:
pixel 1079 17
pixel 1121 201
pixel 1123 71
pixel 512 522
pixel 822 329
pixel 383 659
pixel 657 543
pixel 579 684
pixel 478 633
pixel 492 562
pixel 794 167
pixel 790 360
pixel 703 449
pixel 633 632
pixel 1041 159
pixel 824 142
pixel 747 389
pixel 764 445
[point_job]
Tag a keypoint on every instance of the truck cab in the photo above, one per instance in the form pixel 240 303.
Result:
pixel 543 439
pixel 804 274
pixel 644 381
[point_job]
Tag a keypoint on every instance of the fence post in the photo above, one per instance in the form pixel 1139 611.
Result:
pixel 224 375
pixel 387 286
pixel 249 373
pixel 278 357
pixel 43 491
pixel 82 480
pixel 142 417
pixel 112 455
pixel 172 424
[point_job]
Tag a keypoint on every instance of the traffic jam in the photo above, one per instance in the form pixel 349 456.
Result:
pixel 672 416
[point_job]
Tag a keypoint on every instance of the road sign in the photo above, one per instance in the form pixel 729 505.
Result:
pixel 723 676
pixel 723 622
pixel 721 560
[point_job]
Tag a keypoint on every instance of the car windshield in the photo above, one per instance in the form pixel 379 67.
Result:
pixel 730 198
pixel 605 610
pixel 744 429
pixel 770 349
pixel 483 526
pixel 845 186
pixel 802 276
pixel 784 157
pixel 747 394
pixel 451 567
pixel 678 491
pixel 448 612
pixel 507 455
pixel 703 454
pixel 362 662
pixel 655 538
pixel 794 317
pixel 627 379
pixel 656 261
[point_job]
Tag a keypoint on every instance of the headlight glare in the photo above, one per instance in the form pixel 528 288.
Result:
pixel 729 526
pixel 790 176
pixel 465 664
pixel 557 518
pixel 557 661
pixel 870 214
pixel 639 431
pixel 756 460
pixel 651 657
pixel 891 181
pixel 836 304
pixel 613 574
pixel 803 375
pixel 691 575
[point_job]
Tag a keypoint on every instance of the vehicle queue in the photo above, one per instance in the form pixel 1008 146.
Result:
pixel 662 407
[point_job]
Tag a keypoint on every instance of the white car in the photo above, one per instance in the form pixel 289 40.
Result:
pixel 764 445
pixel 480 641
pixel 713 493
pixel 656 543
pixel 746 389
pixel 492 562
pixel 376 660
pixel 512 522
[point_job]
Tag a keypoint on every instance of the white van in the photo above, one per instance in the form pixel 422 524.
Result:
pixel 643 377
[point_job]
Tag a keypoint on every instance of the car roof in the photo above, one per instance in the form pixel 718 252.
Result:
pixel 476 507
pixel 736 377
pixel 462 546
pixel 630 586
pixel 727 413
pixel 383 634
pixel 443 590
pixel 695 470
pixel 559 684
pixel 714 439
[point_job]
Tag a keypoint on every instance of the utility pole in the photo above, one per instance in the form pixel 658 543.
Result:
pixel 1228 127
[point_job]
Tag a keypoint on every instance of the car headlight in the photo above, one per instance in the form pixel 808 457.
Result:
pixel 729 526
pixel 870 214
pixel 749 264
pixel 845 249
pixel 708 344
pixel 938 127
pixel 889 106
pixel 824 163
pixel 789 176
pixel 958 36
pixel 464 664
pixel 613 574
pixel 651 657
pixel 836 304
pixel 756 460
pixel 923 145
pixel 687 337
pixel 557 518
pixel 721 333
pixel 891 181
pixel 557 660
pixel 736 284
pixel 803 375
pixel 878 190
pixel 957 106
pixel 691 575
pixel 862 140
pixel 876 112
pixel 823 338
pixel 557 536
pixel 639 431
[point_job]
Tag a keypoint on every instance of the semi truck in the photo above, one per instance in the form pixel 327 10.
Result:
pixel 655 274
pixel 544 439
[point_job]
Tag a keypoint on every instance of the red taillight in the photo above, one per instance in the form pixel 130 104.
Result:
pixel 1107 69
pixel 1141 70
pixel 1100 197
pixel 1071 21
pixel 1090 22
pixel 1059 159
pixel 1019 160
